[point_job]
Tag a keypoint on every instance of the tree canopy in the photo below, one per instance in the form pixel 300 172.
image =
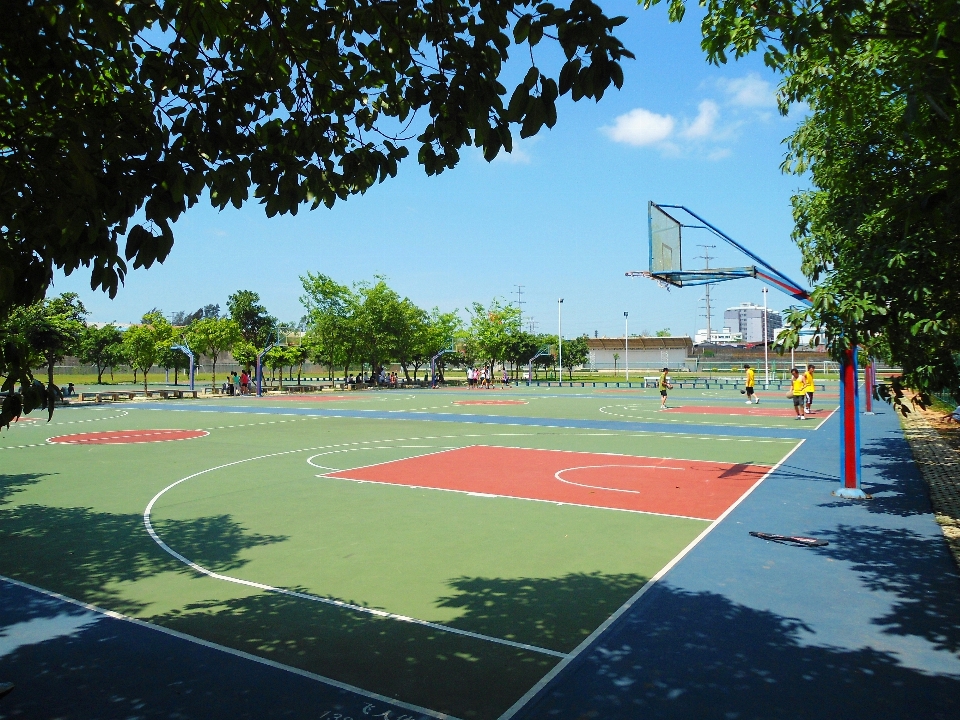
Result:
pixel 118 116
pixel 880 229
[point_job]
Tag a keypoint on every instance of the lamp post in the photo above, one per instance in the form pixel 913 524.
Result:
pixel 626 343
pixel 766 359
pixel 560 336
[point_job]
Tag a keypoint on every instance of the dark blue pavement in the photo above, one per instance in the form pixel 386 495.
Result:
pixel 71 663
pixel 672 428
pixel 867 627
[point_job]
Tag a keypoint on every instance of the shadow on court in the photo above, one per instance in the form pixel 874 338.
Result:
pixel 699 655
pixel 82 553
pixel 907 567
pixel 557 613
pixel 463 676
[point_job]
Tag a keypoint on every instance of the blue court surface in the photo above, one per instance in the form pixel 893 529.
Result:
pixel 865 627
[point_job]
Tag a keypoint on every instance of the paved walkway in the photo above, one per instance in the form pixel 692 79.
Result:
pixel 867 627
pixel 939 464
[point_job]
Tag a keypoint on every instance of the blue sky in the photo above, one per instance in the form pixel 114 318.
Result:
pixel 564 216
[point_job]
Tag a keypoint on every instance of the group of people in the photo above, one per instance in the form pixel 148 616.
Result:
pixel 484 378
pixel 237 384
pixel 802 387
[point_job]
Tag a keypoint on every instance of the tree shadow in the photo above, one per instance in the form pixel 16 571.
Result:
pixel 463 676
pixel 12 484
pixel 83 553
pixel 557 613
pixel 698 655
pixel 912 567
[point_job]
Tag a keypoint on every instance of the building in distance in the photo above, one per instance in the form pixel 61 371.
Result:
pixel 746 319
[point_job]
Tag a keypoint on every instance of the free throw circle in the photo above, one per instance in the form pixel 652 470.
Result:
pixel 126 437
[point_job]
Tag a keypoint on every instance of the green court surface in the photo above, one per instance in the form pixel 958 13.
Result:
pixel 457 602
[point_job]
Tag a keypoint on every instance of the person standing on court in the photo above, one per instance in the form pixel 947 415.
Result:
pixel 799 393
pixel 752 398
pixel 664 385
pixel 809 387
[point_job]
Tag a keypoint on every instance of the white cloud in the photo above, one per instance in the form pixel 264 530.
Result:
pixel 640 127
pixel 703 125
pixel 750 91
pixel 519 156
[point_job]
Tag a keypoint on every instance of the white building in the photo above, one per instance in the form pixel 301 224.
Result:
pixel 645 353
pixel 725 337
pixel 747 319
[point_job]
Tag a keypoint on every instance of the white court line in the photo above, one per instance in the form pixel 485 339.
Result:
pixel 559 667
pixel 230 651
pixel 306 596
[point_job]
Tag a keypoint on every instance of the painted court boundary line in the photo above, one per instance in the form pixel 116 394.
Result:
pixel 563 664
pixel 307 596
pixel 229 651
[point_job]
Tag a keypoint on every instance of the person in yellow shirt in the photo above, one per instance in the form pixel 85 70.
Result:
pixel 799 393
pixel 664 384
pixel 752 398
pixel 808 387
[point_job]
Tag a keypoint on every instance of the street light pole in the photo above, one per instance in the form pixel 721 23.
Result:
pixel 560 335
pixel 626 344
pixel 766 363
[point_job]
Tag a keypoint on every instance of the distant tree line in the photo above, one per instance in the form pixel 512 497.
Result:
pixel 366 324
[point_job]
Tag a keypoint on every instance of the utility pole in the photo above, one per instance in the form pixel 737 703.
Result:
pixel 532 326
pixel 766 360
pixel 560 335
pixel 706 266
pixel 626 343
pixel 520 300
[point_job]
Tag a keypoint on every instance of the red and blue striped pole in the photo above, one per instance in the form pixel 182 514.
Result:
pixel 849 428
pixel 870 382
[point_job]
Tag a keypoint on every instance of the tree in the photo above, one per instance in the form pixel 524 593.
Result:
pixel 250 317
pixel 54 328
pixel 171 358
pixel 333 320
pixel 440 330
pixel 100 346
pixel 380 321
pixel 411 331
pixel 663 333
pixel 40 334
pixel 616 358
pixel 521 348
pixel 115 109
pixel 880 229
pixel 575 352
pixel 494 329
pixel 144 343
pixel 213 337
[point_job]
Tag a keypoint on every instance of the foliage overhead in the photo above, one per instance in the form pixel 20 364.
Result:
pixel 115 111
pixel 880 230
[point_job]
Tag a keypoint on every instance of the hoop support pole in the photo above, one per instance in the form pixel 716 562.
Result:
pixel 849 429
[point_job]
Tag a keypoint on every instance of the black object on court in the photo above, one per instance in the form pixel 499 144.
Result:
pixel 790 539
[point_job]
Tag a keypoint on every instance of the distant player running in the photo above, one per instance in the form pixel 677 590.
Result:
pixel 664 386
pixel 798 393
pixel 809 387
pixel 752 397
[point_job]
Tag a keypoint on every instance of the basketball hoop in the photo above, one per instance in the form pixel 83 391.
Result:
pixel 643 273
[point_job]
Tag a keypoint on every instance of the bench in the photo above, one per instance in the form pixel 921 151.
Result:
pixel 179 394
